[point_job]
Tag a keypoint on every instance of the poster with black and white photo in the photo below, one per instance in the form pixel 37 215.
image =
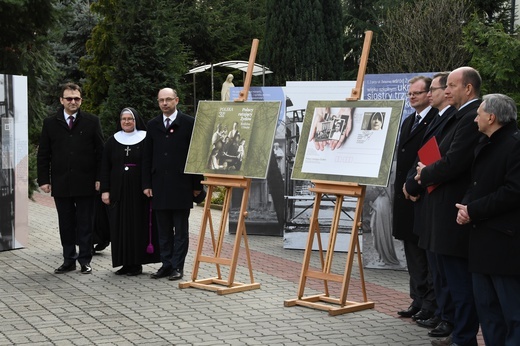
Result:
pixel 348 141
pixel 233 138
pixel 13 162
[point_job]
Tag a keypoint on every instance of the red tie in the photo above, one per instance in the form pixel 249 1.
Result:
pixel 71 121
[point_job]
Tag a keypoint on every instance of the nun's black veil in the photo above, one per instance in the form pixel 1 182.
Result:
pixel 139 122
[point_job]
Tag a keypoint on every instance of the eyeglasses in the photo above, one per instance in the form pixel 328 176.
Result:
pixel 168 99
pixel 432 89
pixel 70 99
pixel 127 120
pixel 416 93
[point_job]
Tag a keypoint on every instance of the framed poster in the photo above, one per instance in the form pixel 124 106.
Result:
pixel 348 141
pixel 233 138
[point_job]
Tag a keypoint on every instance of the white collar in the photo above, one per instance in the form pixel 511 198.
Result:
pixel 424 112
pixel 66 116
pixel 171 117
pixel 441 112
pixel 130 138
pixel 467 103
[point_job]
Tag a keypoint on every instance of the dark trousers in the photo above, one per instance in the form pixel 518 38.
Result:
pixel 421 286
pixel 445 308
pixel 459 279
pixel 497 298
pixel 173 227
pixel 76 221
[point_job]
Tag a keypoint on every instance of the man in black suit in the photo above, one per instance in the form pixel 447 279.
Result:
pixel 166 150
pixel 412 132
pixel 69 159
pixel 442 321
pixel 452 175
pixel 492 205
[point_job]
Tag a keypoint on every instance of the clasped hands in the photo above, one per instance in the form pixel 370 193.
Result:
pixel 462 215
pixel 323 114
pixel 417 177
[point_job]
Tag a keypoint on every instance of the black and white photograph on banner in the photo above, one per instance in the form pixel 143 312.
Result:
pixel 13 162
pixel 380 249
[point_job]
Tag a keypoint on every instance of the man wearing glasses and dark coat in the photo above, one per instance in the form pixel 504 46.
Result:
pixel 172 191
pixel 69 160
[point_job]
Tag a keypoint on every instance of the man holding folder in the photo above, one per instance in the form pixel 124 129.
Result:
pixel 412 132
pixel 452 173
pixel 442 321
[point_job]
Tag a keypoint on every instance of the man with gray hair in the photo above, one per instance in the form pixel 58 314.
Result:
pixel 492 206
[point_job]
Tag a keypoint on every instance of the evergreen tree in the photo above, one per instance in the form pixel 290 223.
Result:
pixel 25 50
pixel 70 36
pixel 220 30
pixel 97 63
pixel 359 17
pixel 493 11
pixel 331 68
pixel 296 44
pixel 496 55
pixel 138 47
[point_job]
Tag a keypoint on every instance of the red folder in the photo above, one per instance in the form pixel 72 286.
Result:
pixel 428 154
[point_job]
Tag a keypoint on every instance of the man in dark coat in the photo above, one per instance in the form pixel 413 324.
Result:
pixel 69 160
pixel 452 175
pixel 172 191
pixel 442 321
pixel 412 132
pixel 492 205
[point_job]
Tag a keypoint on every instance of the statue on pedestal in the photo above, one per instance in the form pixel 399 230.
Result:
pixel 225 93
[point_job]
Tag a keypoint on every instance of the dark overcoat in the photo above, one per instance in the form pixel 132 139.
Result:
pixel 70 159
pixel 452 172
pixel 164 159
pixel 494 204
pixel 409 143
pixel 435 129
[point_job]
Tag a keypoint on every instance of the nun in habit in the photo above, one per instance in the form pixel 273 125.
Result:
pixel 133 238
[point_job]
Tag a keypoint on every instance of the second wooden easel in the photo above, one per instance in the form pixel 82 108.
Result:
pixel 339 305
pixel 217 283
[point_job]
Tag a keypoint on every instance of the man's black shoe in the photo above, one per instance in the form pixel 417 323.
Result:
pixel 177 275
pixel 412 310
pixel 86 268
pixel 432 322
pixel 123 270
pixel 443 329
pixel 162 273
pixel 64 268
pixel 101 246
pixel 422 315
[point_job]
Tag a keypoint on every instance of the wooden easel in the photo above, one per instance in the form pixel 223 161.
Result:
pixel 340 305
pixel 218 284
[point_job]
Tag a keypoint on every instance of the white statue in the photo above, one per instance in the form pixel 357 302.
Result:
pixel 225 88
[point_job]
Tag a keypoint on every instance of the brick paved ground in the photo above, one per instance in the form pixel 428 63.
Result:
pixel 38 307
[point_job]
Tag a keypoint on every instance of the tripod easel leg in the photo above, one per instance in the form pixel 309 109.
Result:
pixel 216 283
